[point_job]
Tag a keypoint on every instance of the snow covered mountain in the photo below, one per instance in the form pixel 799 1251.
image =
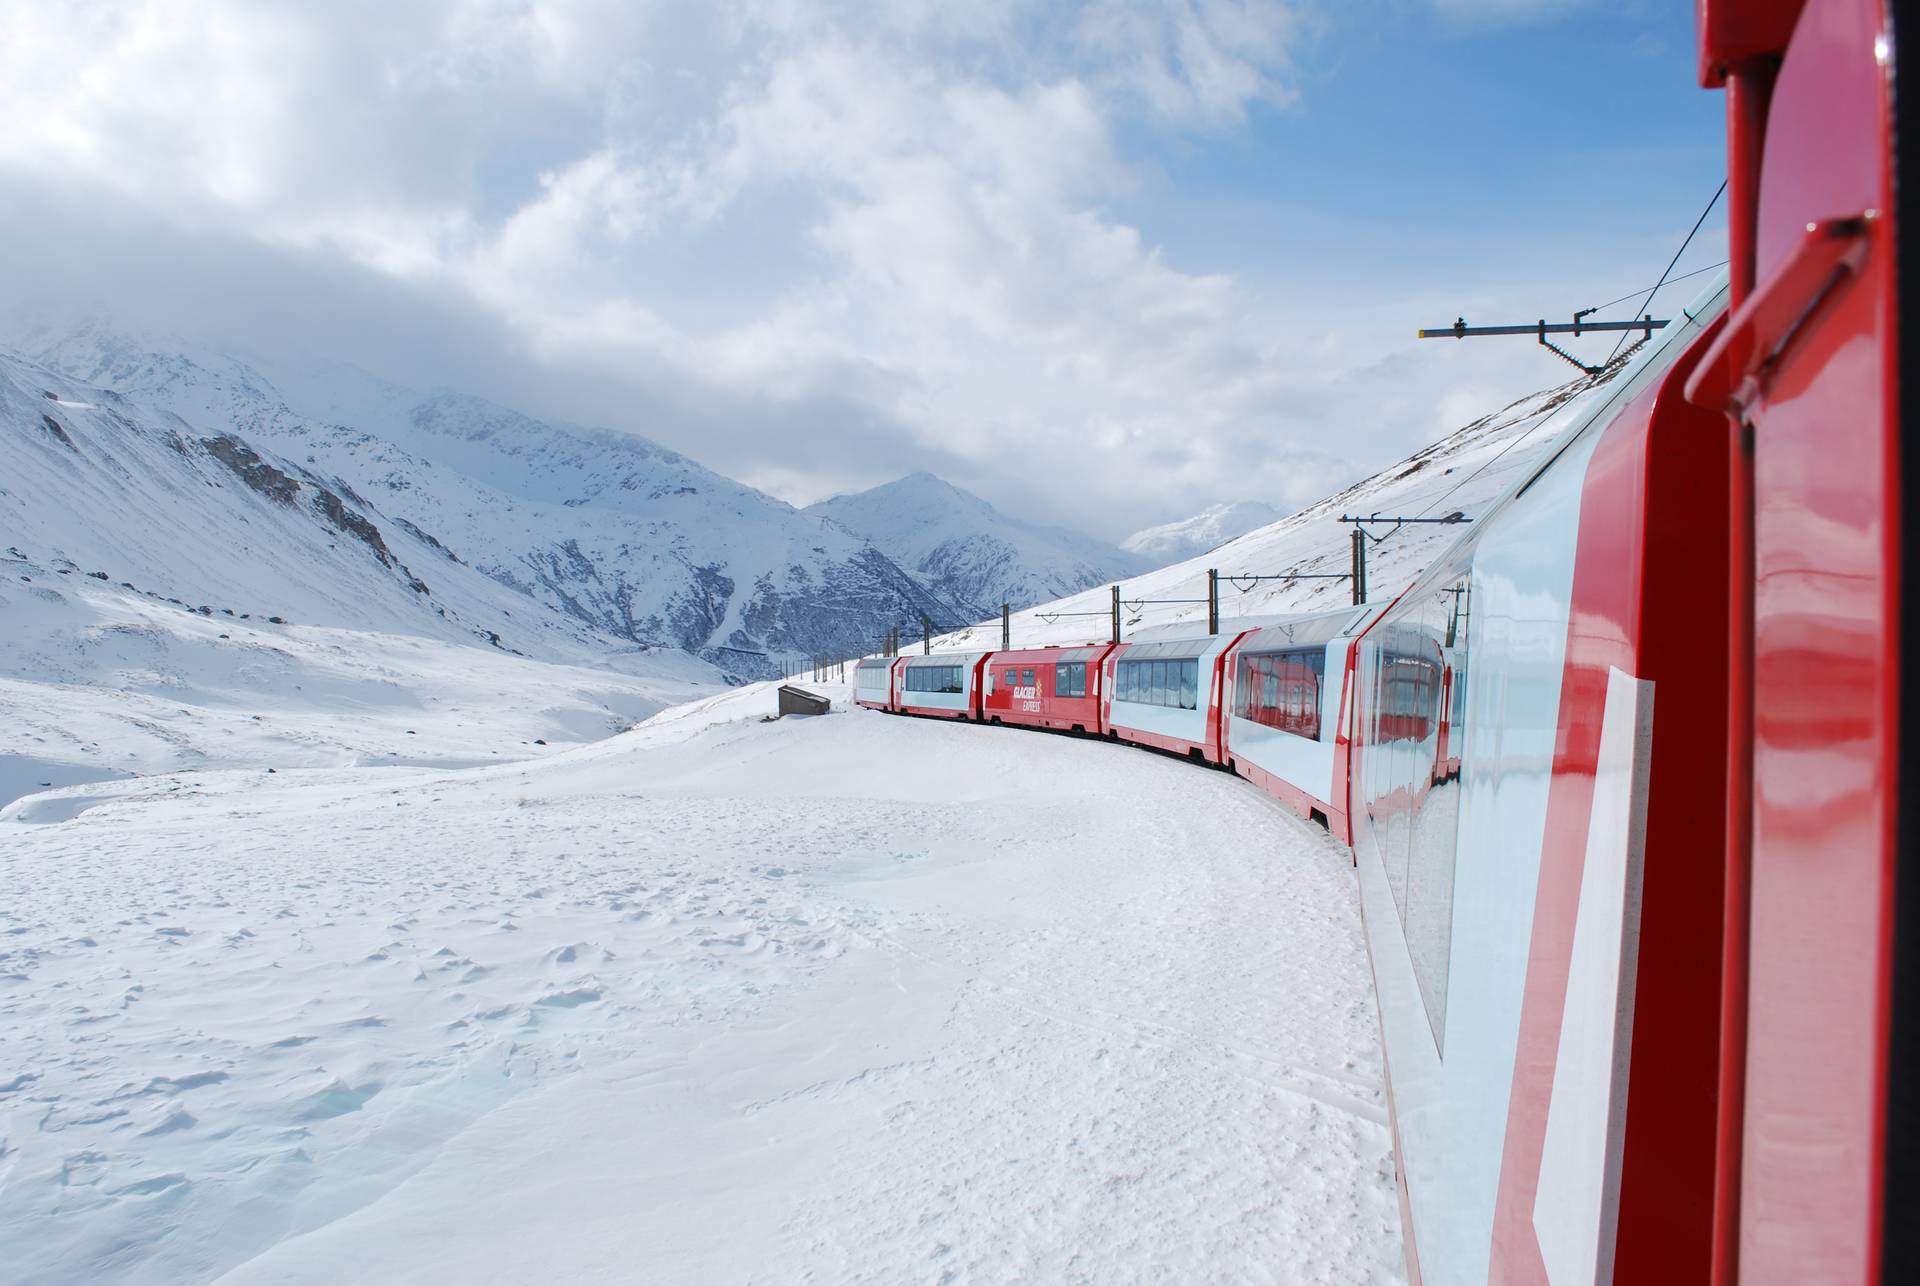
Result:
pixel 174 598
pixel 1190 537
pixel 971 553
pixel 622 535
pixel 95 485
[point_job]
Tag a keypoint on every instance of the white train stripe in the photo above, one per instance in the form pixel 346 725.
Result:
pixel 1576 1206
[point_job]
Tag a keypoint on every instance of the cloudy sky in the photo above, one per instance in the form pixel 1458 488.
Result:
pixel 1105 262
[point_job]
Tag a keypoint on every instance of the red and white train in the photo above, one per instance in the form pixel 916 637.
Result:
pixel 1257 700
pixel 1623 770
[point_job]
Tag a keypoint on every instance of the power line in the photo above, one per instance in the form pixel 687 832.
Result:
pixel 1713 201
pixel 1640 308
pixel 1648 290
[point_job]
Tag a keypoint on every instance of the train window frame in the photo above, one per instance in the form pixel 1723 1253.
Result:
pixel 1070 679
pixel 1283 690
pixel 1420 679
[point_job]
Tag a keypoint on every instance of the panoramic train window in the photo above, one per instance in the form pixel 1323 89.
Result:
pixel 1281 690
pixel 1414 777
pixel 1175 684
pixel 936 678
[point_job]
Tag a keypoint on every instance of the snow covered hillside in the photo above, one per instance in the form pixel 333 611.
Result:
pixel 1462 474
pixel 92 482
pixel 170 599
pixel 626 537
pixel 970 552
pixel 97 682
pixel 1174 542
pixel 844 998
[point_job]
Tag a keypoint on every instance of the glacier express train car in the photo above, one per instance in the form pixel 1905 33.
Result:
pixel 945 685
pixel 1638 867
pixel 1544 921
pixel 873 682
pixel 1162 690
pixel 1286 706
pixel 1049 687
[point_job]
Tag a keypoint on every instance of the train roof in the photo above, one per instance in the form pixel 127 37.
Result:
pixel 944 658
pixel 1185 632
pixel 1339 620
pixel 1310 631
pixel 1296 629
pixel 1053 652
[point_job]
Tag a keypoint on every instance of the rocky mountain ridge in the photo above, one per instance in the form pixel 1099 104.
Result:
pixel 633 542
pixel 967 551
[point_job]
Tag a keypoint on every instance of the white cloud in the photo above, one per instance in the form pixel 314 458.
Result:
pixel 901 210
pixel 1195 60
pixel 1509 11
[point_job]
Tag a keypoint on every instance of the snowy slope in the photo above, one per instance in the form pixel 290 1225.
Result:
pixel 172 599
pixel 98 682
pixel 716 1000
pixel 628 538
pixel 1174 542
pixel 1463 473
pixel 92 482
pixel 972 553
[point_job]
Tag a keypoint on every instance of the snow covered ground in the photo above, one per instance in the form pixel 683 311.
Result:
pixel 847 998
pixel 97 681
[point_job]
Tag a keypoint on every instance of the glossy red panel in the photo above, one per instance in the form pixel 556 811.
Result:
pixel 1823 805
pixel 1733 31
pixel 1652 561
pixel 1826 149
pixel 1825 519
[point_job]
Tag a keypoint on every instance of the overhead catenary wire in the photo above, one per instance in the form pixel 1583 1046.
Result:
pixel 1648 290
pixel 1246 582
pixel 1711 202
pixel 1646 298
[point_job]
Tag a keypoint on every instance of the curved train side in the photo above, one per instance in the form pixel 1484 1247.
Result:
pixel 1621 771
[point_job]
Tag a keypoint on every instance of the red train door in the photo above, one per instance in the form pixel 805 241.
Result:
pixel 1807 369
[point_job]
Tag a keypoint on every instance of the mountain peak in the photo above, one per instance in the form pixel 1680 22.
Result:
pixel 1174 542
pixel 626 538
pixel 964 548
pixel 919 484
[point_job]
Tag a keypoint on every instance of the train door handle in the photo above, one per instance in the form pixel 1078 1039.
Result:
pixel 1736 368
